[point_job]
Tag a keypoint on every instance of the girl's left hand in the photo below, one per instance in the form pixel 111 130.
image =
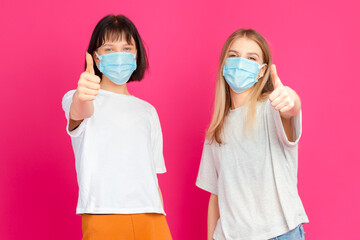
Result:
pixel 283 98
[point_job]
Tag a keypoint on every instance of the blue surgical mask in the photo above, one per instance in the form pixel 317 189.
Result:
pixel 241 73
pixel 118 66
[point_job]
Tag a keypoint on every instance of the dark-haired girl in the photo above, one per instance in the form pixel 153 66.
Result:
pixel 117 139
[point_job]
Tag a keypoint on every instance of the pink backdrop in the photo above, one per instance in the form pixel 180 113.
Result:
pixel 43 44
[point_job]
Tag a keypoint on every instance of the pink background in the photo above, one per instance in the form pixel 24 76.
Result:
pixel 43 46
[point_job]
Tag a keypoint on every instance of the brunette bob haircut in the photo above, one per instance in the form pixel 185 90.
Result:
pixel 113 28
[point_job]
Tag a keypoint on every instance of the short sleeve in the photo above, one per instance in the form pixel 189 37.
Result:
pixel 207 178
pixel 296 122
pixel 157 143
pixel 66 103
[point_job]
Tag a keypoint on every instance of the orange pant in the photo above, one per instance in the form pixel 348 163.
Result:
pixel 143 226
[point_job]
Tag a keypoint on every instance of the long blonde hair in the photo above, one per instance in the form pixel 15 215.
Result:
pixel 260 92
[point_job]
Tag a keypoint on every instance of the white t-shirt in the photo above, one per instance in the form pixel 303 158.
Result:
pixel 118 151
pixel 254 176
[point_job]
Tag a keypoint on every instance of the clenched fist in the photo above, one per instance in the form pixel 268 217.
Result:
pixel 283 98
pixel 89 83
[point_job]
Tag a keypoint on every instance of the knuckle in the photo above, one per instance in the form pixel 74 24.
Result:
pixel 81 91
pixel 81 96
pixel 81 82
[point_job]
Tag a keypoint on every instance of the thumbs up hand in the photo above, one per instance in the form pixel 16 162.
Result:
pixel 89 83
pixel 283 98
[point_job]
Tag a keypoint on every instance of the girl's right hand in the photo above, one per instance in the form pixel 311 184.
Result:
pixel 88 88
pixel 89 83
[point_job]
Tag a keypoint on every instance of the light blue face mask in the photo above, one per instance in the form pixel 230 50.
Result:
pixel 117 66
pixel 241 73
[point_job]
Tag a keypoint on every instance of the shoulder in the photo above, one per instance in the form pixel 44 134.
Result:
pixel 265 103
pixel 269 109
pixel 146 105
pixel 210 144
pixel 67 99
pixel 266 107
pixel 69 94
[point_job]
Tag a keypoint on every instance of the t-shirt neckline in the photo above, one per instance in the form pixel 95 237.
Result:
pixel 114 93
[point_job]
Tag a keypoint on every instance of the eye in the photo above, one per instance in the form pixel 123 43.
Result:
pixel 108 50
pixel 232 55
pixel 252 59
pixel 127 49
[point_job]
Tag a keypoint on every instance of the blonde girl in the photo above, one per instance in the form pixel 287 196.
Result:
pixel 250 155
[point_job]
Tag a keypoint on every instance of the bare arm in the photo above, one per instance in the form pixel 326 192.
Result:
pixel 286 101
pixel 213 215
pixel 286 122
pixel 286 117
pixel 161 197
pixel 79 110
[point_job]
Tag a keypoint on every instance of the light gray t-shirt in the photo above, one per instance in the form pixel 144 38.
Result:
pixel 254 175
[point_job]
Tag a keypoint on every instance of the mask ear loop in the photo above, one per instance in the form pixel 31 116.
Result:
pixel 261 68
pixel 99 57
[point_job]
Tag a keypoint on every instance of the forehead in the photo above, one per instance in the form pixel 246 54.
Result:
pixel 118 38
pixel 244 45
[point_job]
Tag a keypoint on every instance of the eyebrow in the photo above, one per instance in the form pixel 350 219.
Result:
pixel 249 53
pixel 253 53
pixel 108 44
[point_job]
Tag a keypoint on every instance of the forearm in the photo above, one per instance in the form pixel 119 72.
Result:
pixel 80 110
pixel 213 216
pixel 295 110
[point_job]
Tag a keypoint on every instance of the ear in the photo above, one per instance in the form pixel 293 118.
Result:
pixel 262 71
pixel 96 59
